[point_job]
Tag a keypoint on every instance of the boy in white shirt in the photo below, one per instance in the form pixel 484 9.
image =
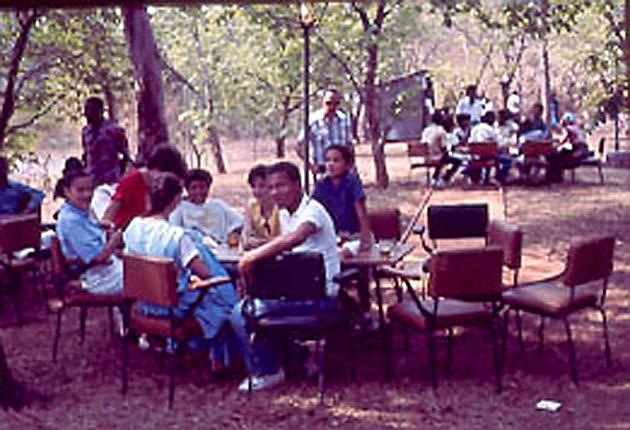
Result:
pixel 211 217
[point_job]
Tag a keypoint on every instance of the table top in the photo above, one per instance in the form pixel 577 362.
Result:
pixel 371 257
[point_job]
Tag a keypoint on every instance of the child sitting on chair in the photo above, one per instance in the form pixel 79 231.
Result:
pixel 213 218
pixel 262 221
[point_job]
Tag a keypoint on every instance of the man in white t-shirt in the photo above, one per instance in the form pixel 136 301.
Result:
pixel 213 218
pixel 305 226
pixel 470 104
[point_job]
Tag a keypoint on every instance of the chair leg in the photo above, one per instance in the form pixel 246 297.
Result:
pixel 110 313
pixel 572 362
pixel 82 319
pixel 519 327
pixel 57 335
pixel 320 351
pixel 601 174
pixel 389 368
pixel 431 346
pixel 606 340
pixel 496 355
pixel 506 321
pixel 172 367
pixel 448 362
pixel 125 362
pixel 541 335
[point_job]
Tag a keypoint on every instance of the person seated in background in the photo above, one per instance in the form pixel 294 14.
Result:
pixel 153 235
pixel 132 193
pixel 506 130
pixel 213 218
pixel 262 221
pixel 342 194
pixel 482 132
pixel 534 127
pixel 84 242
pixel 436 137
pixel 305 226
pixel 17 198
pixel 462 128
pixel 573 148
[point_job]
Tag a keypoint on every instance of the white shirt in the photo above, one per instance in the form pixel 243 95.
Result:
pixel 483 132
pixel 474 109
pixel 324 240
pixel 514 103
pixel 214 218
pixel 435 136
pixel 100 200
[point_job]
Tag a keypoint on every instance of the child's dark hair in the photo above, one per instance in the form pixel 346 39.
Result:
pixel 286 167
pixel 488 117
pixel 71 163
pixel 67 179
pixel 198 175
pixel 167 158
pixel 165 187
pixel 346 153
pixel 258 171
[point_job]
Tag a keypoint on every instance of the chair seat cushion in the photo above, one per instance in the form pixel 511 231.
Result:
pixel 550 299
pixel 449 313
pixel 75 296
pixel 162 327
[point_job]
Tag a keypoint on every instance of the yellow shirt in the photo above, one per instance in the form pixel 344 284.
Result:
pixel 264 228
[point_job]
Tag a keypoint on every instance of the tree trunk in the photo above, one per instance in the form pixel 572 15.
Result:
pixel 8 104
pixel 110 100
pixel 215 148
pixel 545 80
pixel 152 128
pixel 281 136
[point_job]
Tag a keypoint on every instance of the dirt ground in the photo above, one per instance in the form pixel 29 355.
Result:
pixel 82 390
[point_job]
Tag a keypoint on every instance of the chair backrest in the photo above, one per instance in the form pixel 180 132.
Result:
pixel 457 221
pixel 289 276
pixel 418 149
pixel 534 148
pixel 589 260
pixel 466 274
pixel 483 149
pixel 385 223
pixel 510 239
pixel 19 232
pixel 152 279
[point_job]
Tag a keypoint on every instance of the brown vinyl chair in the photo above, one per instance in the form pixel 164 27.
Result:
pixel 484 154
pixel 509 238
pixel 18 232
pixel 154 280
pixel 71 295
pixel 558 297
pixel 464 290
pixel 534 153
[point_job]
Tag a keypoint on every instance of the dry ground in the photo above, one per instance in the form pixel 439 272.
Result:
pixel 82 390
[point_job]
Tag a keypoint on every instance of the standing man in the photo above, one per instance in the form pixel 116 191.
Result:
pixel 470 104
pixel 105 148
pixel 329 126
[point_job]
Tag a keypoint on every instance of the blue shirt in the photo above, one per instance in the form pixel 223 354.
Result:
pixel 339 200
pixel 16 197
pixel 80 236
pixel 325 132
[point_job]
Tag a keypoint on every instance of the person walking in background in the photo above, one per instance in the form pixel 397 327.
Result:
pixel 330 126
pixel 105 148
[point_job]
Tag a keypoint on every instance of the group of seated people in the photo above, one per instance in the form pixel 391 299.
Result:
pixel 448 139
pixel 144 213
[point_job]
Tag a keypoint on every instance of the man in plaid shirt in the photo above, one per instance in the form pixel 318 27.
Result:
pixel 329 126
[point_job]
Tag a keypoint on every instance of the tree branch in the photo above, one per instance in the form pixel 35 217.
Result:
pixel 344 64
pixel 35 117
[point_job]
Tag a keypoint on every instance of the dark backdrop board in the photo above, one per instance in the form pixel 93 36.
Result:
pixel 401 106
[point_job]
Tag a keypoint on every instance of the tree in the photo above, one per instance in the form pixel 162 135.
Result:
pixel 25 20
pixel 152 127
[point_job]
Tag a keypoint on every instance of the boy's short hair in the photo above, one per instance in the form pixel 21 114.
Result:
pixel 286 167
pixel 167 158
pixel 258 171
pixel 345 152
pixel 163 190
pixel 198 175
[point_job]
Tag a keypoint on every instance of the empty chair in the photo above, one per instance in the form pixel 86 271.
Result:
pixel 420 155
pixel 557 298
pixel 464 290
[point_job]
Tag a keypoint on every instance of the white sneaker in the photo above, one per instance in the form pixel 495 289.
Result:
pixel 143 342
pixel 263 381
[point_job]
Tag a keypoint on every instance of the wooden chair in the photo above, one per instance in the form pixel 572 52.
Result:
pixel 18 232
pixel 298 277
pixel 71 295
pixel 421 156
pixel 594 160
pixel 484 155
pixel 558 297
pixel 154 280
pixel 534 153
pixel 464 290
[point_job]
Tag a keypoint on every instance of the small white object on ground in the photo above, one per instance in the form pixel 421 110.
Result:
pixel 548 405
